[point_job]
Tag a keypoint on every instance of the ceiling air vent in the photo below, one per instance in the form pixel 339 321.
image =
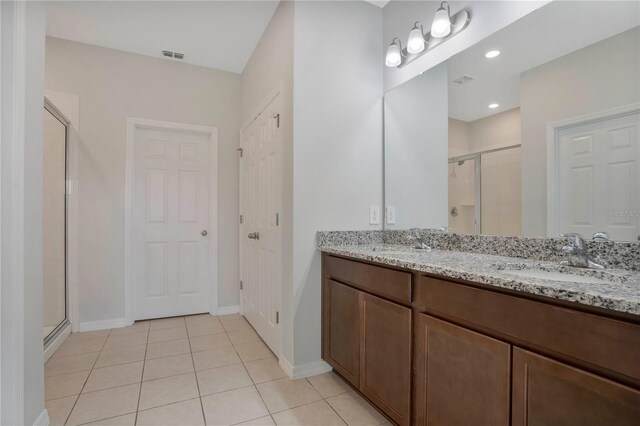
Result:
pixel 464 79
pixel 170 54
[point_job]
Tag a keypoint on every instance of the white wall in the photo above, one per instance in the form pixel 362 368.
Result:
pixel 487 17
pixel 337 135
pixel 271 64
pixel 113 85
pixel 601 76
pixel 416 145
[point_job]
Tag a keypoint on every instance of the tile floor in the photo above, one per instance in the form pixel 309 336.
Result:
pixel 192 370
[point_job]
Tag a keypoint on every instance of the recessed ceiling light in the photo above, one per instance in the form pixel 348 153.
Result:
pixel 493 106
pixel 492 54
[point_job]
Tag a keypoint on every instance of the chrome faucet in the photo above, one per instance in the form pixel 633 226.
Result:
pixel 577 253
pixel 418 240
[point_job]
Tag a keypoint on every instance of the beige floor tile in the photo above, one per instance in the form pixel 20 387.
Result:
pixel 64 384
pixel 167 366
pixel 264 370
pixel 329 384
pixel 204 329
pixel 262 421
pixel 201 319
pixel 234 406
pixel 136 327
pixel 244 336
pixel 126 420
pixel 59 410
pixel 169 348
pixel 114 356
pixel 156 393
pixel 253 351
pixel 209 342
pixel 104 404
pixel 215 358
pixel 161 323
pixel 88 335
pixel 319 413
pixel 165 334
pixel 283 394
pixel 114 376
pixel 70 364
pixel 230 317
pixel 185 413
pixel 236 325
pixel 124 340
pixel 223 379
pixel 355 410
pixel 80 346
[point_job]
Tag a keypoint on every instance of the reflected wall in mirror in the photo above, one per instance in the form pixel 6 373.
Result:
pixel 541 139
pixel 54 222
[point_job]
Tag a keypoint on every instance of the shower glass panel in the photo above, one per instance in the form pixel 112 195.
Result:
pixel 500 192
pixel 463 196
pixel 54 222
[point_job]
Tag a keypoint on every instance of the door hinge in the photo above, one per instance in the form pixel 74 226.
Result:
pixel 240 285
pixel 240 149
pixel 277 219
pixel 277 317
pixel 240 219
pixel 277 117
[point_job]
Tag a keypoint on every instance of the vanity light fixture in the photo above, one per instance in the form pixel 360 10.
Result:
pixel 494 106
pixel 443 27
pixel 492 54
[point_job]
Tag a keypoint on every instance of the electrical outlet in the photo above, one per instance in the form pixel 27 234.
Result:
pixel 374 215
pixel 390 215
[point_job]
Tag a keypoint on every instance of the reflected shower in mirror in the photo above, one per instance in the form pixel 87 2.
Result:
pixel 540 134
pixel 54 222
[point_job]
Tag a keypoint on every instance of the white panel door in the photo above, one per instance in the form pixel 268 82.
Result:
pixel 171 219
pixel 599 178
pixel 260 230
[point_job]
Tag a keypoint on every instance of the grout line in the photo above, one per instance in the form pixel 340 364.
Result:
pixel 144 363
pixel 195 373
pixel 87 379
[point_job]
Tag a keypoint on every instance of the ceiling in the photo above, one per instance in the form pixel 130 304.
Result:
pixel 550 32
pixel 214 34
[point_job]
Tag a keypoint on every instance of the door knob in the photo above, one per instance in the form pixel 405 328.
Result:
pixel 204 233
pixel 254 236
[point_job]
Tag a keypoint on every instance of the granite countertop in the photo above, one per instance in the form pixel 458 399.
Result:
pixel 620 293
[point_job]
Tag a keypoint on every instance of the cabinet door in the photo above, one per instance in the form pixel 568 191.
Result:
pixel 342 330
pixel 462 377
pixel 547 392
pixel 385 375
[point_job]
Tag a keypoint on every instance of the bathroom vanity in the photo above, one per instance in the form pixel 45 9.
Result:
pixel 444 337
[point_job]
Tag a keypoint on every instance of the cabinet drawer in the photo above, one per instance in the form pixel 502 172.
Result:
pixel 374 279
pixel 603 342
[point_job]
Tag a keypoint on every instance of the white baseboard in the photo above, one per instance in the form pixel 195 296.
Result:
pixel 55 344
pixel 304 370
pixel 103 325
pixel 227 310
pixel 43 418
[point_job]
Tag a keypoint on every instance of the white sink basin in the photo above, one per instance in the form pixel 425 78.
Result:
pixel 556 276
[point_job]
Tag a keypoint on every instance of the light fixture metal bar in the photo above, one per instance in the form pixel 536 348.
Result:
pixel 459 22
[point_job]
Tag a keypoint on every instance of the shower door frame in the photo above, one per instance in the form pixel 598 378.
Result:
pixel 56 332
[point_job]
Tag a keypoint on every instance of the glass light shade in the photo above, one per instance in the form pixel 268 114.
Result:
pixel 415 44
pixel 394 55
pixel 441 26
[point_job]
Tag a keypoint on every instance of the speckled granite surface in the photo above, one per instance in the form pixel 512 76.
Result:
pixel 620 292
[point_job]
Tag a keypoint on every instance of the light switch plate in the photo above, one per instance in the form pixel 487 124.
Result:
pixel 390 215
pixel 374 215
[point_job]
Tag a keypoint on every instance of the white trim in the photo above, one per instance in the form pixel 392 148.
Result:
pixel 304 370
pixel 104 324
pixel 57 342
pixel 553 132
pixel 227 310
pixel 132 124
pixel 12 154
pixel 43 419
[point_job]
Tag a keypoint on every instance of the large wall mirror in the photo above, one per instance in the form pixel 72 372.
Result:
pixel 531 132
